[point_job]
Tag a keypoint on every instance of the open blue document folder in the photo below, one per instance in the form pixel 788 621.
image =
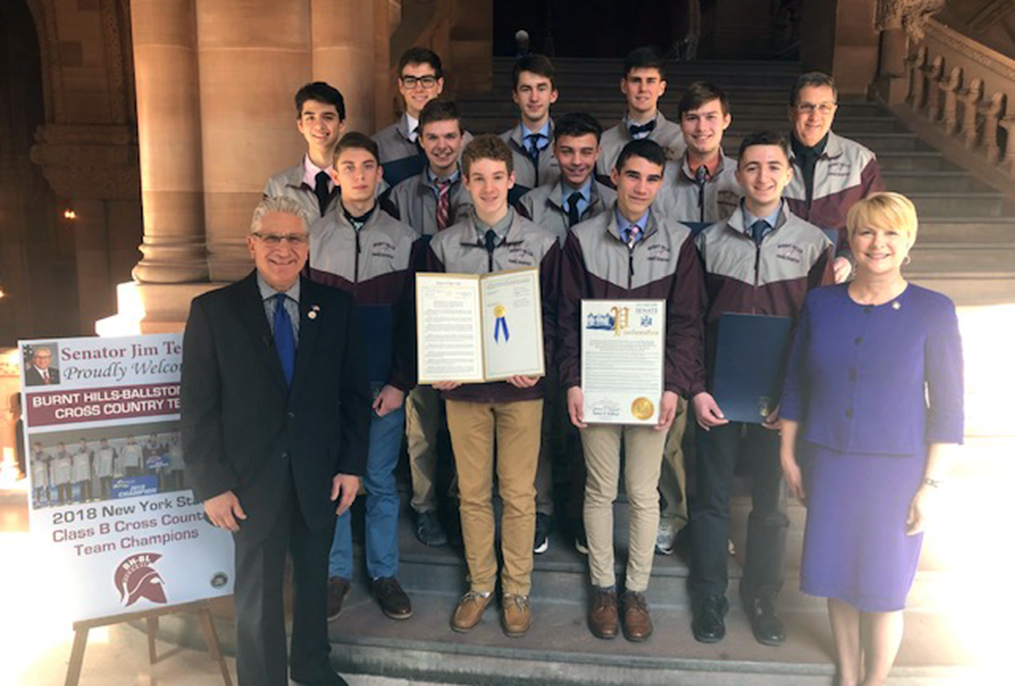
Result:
pixel 750 361
pixel 375 323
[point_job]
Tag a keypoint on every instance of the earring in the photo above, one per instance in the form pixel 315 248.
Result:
pixel 906 260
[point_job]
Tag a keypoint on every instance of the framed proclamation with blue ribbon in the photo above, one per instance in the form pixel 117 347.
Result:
pixel 475 328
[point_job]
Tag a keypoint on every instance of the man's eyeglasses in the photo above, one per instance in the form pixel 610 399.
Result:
pixel 275 239
pixel 811 108
pixel 411 82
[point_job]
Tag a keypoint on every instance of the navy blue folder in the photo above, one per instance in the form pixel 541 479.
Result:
pixel 376 325
pixel 750 361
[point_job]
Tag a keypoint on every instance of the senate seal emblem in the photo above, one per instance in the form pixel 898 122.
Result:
pixel 642 408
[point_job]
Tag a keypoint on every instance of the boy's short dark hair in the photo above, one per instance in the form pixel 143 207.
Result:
pixel 487 146
pixel 762 138
pixel 645 58
pixel 537 64
pixel 577 124
pixel 418 55
pixel 321 92
pixel 439 110
pixel 812 79
pixel 701 93
pixel 645 148
pixel 356 140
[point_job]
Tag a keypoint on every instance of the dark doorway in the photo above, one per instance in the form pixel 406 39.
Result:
pixel 37 256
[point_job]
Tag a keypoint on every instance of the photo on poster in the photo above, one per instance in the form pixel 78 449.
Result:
pixel 108 463
pixel 41 363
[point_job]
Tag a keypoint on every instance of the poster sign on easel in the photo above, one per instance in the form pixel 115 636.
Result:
pixel 108 494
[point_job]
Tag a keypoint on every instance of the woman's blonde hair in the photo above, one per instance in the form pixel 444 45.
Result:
pixel 883 211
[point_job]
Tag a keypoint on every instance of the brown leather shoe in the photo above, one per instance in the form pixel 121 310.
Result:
pixel 470 611
pixel 637 621
pixel 515 615
pixel 603 613
pixel 338 590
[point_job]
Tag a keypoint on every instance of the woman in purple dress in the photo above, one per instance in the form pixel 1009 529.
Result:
pixel 872 403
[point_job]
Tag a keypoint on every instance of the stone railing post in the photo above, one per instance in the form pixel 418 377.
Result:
pixel 934 73
pixel 1008 124
pixel 970 98
pixel 951 89
pixel 992 110
pixel 916 64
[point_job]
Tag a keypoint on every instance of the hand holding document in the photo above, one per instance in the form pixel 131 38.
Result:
pixel 475 328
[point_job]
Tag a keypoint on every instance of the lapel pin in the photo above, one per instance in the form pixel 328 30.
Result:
pixel 314 309
pixel 896 305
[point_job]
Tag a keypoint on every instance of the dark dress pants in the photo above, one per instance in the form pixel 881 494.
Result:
pixel 261 546
pixel 717 453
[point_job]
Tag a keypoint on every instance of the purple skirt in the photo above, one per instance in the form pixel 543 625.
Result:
pixel 855 544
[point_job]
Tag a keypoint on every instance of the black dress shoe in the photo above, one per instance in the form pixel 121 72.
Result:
pixel 393 600
pixel 765 622
pixel 707 624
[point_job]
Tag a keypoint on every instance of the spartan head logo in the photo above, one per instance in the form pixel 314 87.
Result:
pixel 135 579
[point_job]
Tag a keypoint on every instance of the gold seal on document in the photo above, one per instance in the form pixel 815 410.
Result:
pixel 642 408
pixel 499 310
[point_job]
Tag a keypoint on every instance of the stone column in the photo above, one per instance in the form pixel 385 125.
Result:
pixel 471 49
pixel 839 38
pixel 252 55
pixel 344 55
pixel 169 138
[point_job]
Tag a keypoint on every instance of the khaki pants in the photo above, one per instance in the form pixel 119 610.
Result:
pixel 516 427
pixel 673 478
pixel 422 423
pixel 643 451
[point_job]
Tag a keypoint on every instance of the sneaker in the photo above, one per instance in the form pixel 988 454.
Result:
pixel 516 615
pixel 581 542
pixel 666 537
pixel 429 530
pixel 542 542
pixel 338 590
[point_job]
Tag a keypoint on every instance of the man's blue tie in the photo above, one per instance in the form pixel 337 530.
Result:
pixel 758 230
pixel 285 343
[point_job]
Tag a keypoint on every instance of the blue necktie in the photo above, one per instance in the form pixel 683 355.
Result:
pixel 758 230
pixel 285 343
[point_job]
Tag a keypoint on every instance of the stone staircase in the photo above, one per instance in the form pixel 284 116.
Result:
pixel 966 249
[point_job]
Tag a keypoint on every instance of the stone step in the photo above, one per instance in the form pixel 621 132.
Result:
pixel 559 650
pixel 985 261
pixel 969 288
pixel 968 231
pixel 907 181
pixel 957 204
pixel 913 160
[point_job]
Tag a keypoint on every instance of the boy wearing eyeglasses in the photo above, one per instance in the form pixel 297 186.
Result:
pixel 320 119
pixel 420 80
pixel 367 253
pixel 831 173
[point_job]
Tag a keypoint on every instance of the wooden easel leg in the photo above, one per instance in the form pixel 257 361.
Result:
pixel 77 656
pixel 211 637
pixel 153 630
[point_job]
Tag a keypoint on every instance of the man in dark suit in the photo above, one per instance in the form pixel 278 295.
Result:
pixel 275 420
pixel 39 373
